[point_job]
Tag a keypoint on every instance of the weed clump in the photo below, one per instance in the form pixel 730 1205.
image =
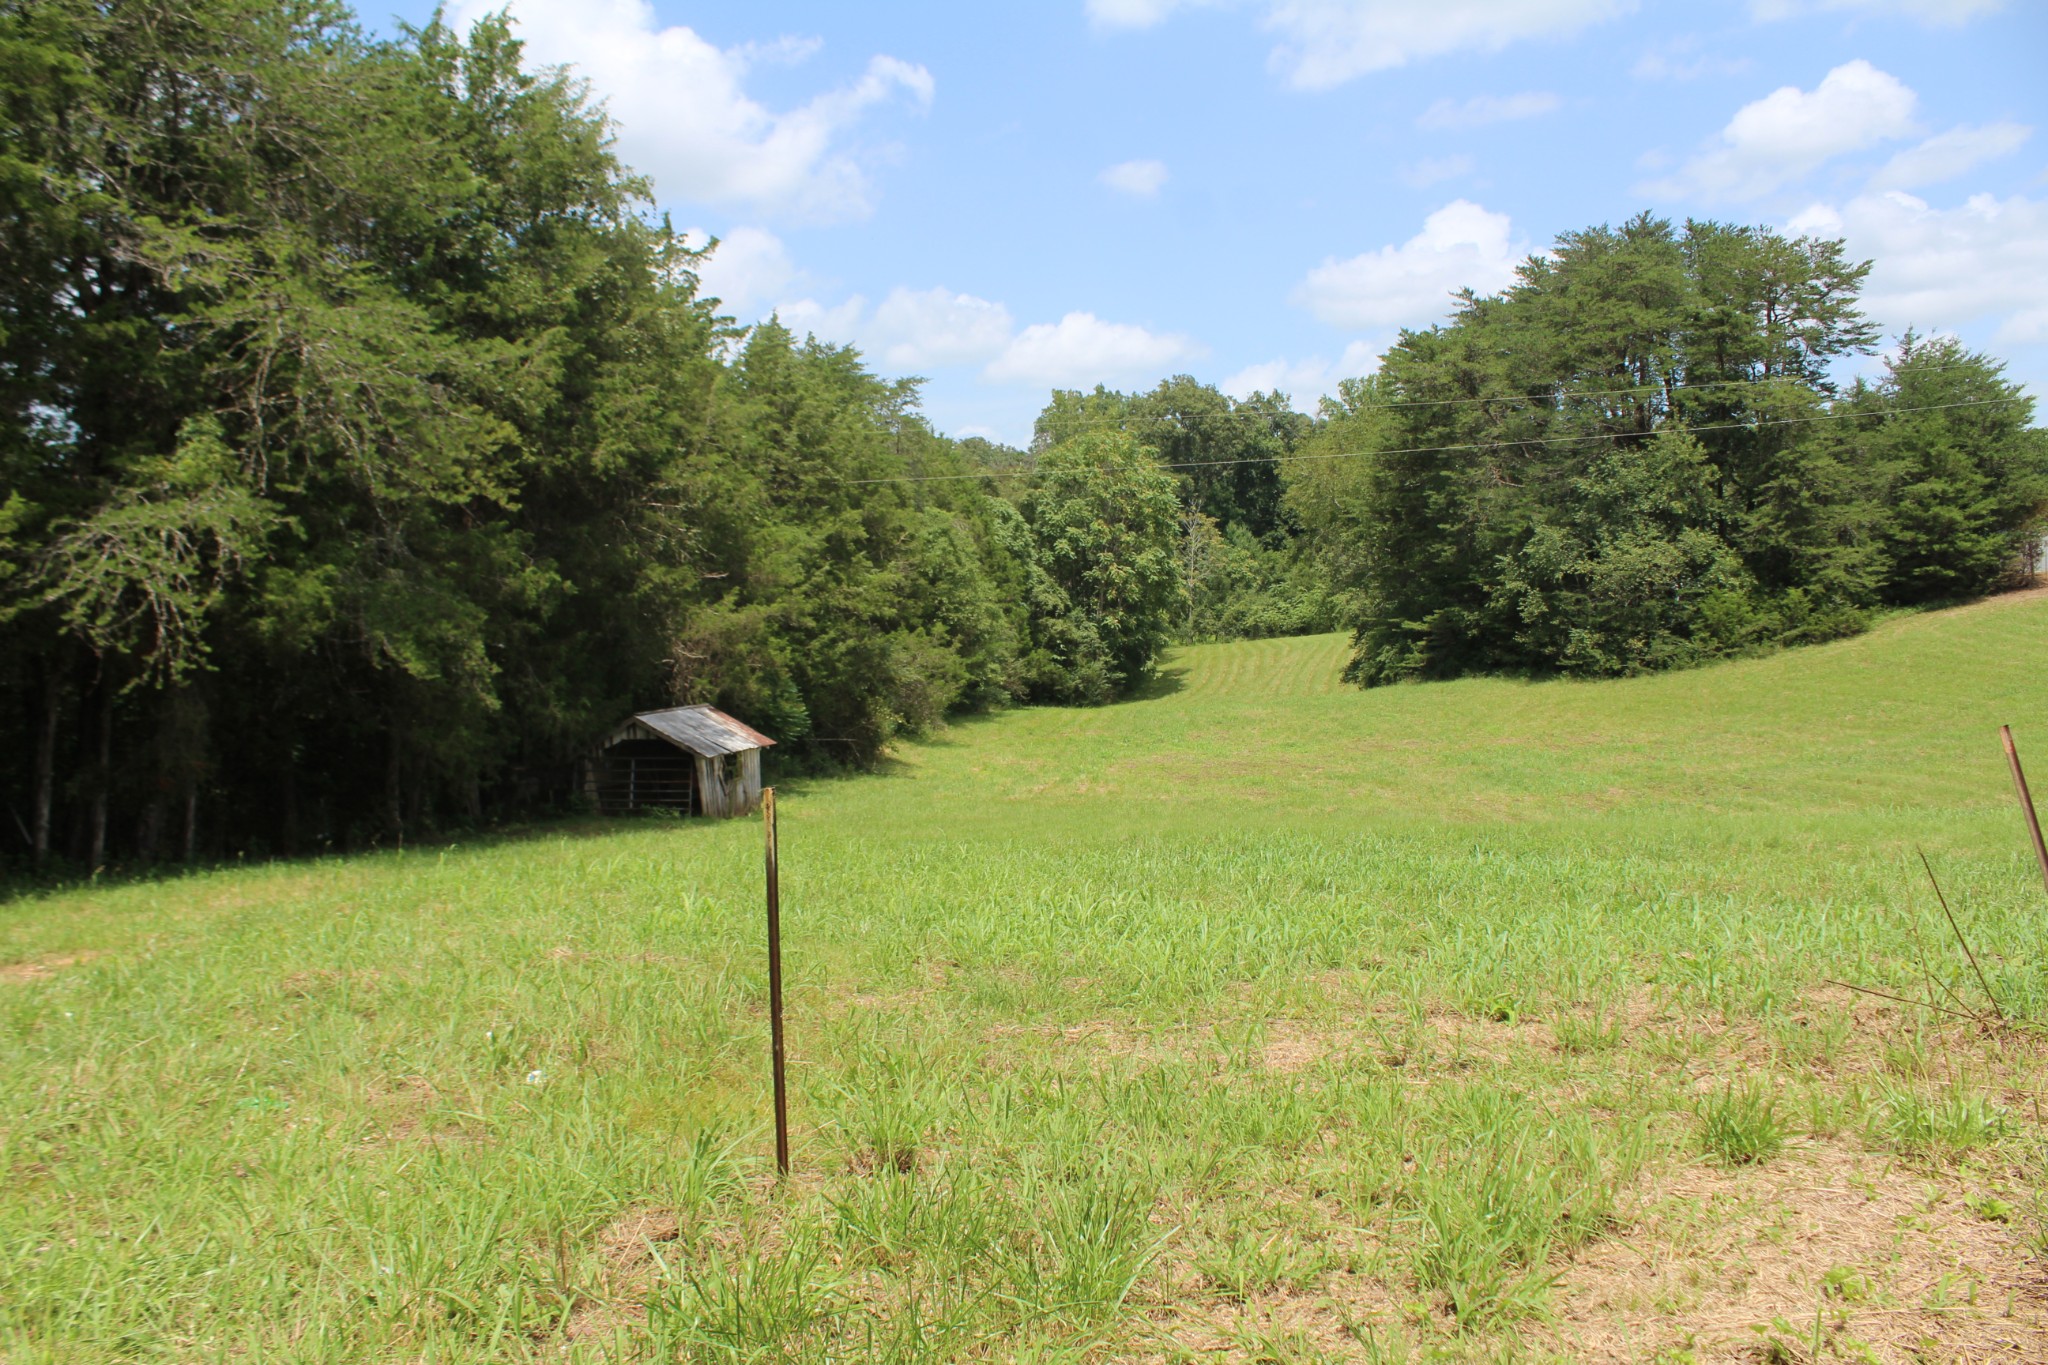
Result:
pixel 1246 1265
pixel 1496 1201
pixel 1580 1037
pixel 1942 1125
pixel 1740 1126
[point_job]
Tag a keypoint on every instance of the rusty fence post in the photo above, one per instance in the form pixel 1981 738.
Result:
pixel 2019 782
pixel 775 985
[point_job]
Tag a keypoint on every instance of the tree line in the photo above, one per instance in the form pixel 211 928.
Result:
pixel 1634 458
pixel 371 447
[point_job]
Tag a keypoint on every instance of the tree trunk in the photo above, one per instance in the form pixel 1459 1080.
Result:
pixel 103 775
pixel 394 806
pixel 191 820
pixel 46 764
pixel 149 830
pixel 288 838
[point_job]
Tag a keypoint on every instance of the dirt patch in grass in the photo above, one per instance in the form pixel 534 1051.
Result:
pixel 625 1246
pixel 2013 597
pixel 1290 1049
pixel 1097 1042
pixel 319 981
pixel 1328 1316
pixel 836 1005
pixel 403 1109
pixel 625 1242
pixel 37 968
pixel 1827 1247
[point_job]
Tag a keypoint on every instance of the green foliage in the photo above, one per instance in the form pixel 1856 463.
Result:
pixel 1240 588
pixel 393 425
pixel 1106 589
pixel 1223 453
pixel 1186 1020
pixel 1633 459
pixel 1943 1124
pixel 1630 574
pixel 145 569
pixel 1740 1125
pixel 1245 1264
pixel 1965 486
pixel 1247 570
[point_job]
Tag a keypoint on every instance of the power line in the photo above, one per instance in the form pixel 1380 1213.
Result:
pixel 1555 388
pixel 1597 436
pixel 1476 445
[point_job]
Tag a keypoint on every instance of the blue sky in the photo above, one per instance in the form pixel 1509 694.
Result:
pixel 1008 198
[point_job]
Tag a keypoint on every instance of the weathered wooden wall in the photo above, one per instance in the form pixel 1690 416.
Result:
pixel 721 793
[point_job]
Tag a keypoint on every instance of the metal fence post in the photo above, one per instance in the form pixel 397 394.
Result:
pixel 2019 781
pixel 775 985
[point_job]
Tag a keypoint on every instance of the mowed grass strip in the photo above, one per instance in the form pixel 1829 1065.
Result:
pixel 1258 1018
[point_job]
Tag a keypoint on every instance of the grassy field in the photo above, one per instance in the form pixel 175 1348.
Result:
pixel 1260 1019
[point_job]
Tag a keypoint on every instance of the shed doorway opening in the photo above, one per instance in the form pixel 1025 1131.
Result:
pixel 643 774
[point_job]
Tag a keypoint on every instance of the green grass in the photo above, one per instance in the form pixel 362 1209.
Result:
pixel 1259 1018
pixel 1741 1125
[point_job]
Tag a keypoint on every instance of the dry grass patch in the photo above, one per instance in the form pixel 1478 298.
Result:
pixel 1828 1253
pixel 627 1247
pixel 37 968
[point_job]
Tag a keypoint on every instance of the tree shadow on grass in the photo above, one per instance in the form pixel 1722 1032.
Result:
pixel 958 730
pixel 21 885
pixel 1161 683
pixel 18 884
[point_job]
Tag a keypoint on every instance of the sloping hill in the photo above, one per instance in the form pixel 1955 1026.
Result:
pixel 1900 720
pixel 1257 1019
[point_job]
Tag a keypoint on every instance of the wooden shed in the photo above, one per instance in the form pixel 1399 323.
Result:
pixel 692 759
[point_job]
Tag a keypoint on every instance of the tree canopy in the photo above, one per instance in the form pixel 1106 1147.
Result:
pixel 371 447
pixel 1635 458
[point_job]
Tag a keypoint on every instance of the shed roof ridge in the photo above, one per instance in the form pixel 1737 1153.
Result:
pixel 703 729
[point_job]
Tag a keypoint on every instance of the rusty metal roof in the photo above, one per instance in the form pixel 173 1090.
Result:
pixel 703 730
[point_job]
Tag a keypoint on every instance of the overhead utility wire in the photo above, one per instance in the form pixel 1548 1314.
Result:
pixel 1556 388
pixel 1470 445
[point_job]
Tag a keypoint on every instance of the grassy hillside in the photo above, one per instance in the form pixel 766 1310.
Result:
pixel 1259 1019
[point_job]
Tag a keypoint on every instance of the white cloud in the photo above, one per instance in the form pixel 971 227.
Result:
pixel 918 329
pixel 1790 132
pixel 1948 155
pixel 1141 179
pixel 1680 60
pixel 685 119
pixel 1082 349
pixel 924 329
pixel 840 323
pixel 1937 12
pixel 1303 380
pixel 1324 43
pixel 749 267
pixel 1937 269
pixel 1461 245
pixel 1432 169
pixel 1481 110
pixel 1133 13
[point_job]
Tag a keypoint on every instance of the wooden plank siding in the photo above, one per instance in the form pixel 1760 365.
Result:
pixel 693 759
